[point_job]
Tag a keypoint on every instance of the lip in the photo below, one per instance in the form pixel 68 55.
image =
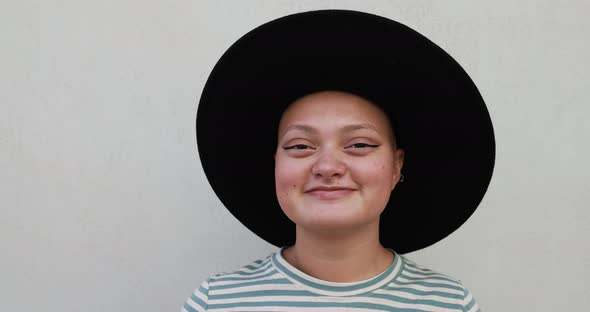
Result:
pixel 330 193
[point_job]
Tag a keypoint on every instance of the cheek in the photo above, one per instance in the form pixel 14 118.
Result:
pixel 288 178
pixel 377 173
pixel 375 177
pixel 378 182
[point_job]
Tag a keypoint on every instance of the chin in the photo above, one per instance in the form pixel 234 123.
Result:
pixel 331 222
pixel 334 228
pixel 330 215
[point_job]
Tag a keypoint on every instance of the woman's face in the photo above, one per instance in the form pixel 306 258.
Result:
pixel 335 164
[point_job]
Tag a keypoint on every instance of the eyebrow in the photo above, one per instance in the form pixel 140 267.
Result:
pixel 348 128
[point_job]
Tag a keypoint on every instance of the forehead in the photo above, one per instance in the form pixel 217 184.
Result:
pixel 333 108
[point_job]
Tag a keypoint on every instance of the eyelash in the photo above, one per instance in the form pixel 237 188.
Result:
pixel 297 146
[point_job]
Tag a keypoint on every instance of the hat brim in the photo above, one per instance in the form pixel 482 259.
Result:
pixel 440 120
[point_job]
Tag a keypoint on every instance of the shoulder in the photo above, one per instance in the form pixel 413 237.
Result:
pixel 247 274
pixel 248 271
pixel 415 272
pixel 432 282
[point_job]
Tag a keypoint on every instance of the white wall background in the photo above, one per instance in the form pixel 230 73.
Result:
pixel 104 205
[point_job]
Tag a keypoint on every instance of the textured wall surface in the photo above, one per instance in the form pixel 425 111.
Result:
pixel 104 205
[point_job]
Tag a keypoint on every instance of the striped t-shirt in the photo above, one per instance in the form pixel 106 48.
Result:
pixel 272 284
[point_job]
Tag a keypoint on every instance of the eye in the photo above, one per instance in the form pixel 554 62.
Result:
pixel 363 145
pixel 297 147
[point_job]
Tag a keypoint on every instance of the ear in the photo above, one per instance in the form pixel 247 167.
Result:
pixel 398 163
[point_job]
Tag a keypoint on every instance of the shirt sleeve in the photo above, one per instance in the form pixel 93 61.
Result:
pixel 198 301
pixel 469 303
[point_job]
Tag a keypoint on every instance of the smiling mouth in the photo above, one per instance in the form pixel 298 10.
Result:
pixel 330 194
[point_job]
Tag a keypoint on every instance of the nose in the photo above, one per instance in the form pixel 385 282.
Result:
pixel 328 165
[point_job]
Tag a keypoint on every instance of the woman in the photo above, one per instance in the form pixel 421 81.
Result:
pixel 335 167
pixel 334 96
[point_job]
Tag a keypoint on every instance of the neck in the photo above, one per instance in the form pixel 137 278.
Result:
pixel 346 257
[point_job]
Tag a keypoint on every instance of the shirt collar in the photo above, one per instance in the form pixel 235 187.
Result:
pixel 327 288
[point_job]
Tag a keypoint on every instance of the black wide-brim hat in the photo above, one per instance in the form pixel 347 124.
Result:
pixel 439 119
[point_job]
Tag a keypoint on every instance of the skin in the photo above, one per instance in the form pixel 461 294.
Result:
pixel 337 232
